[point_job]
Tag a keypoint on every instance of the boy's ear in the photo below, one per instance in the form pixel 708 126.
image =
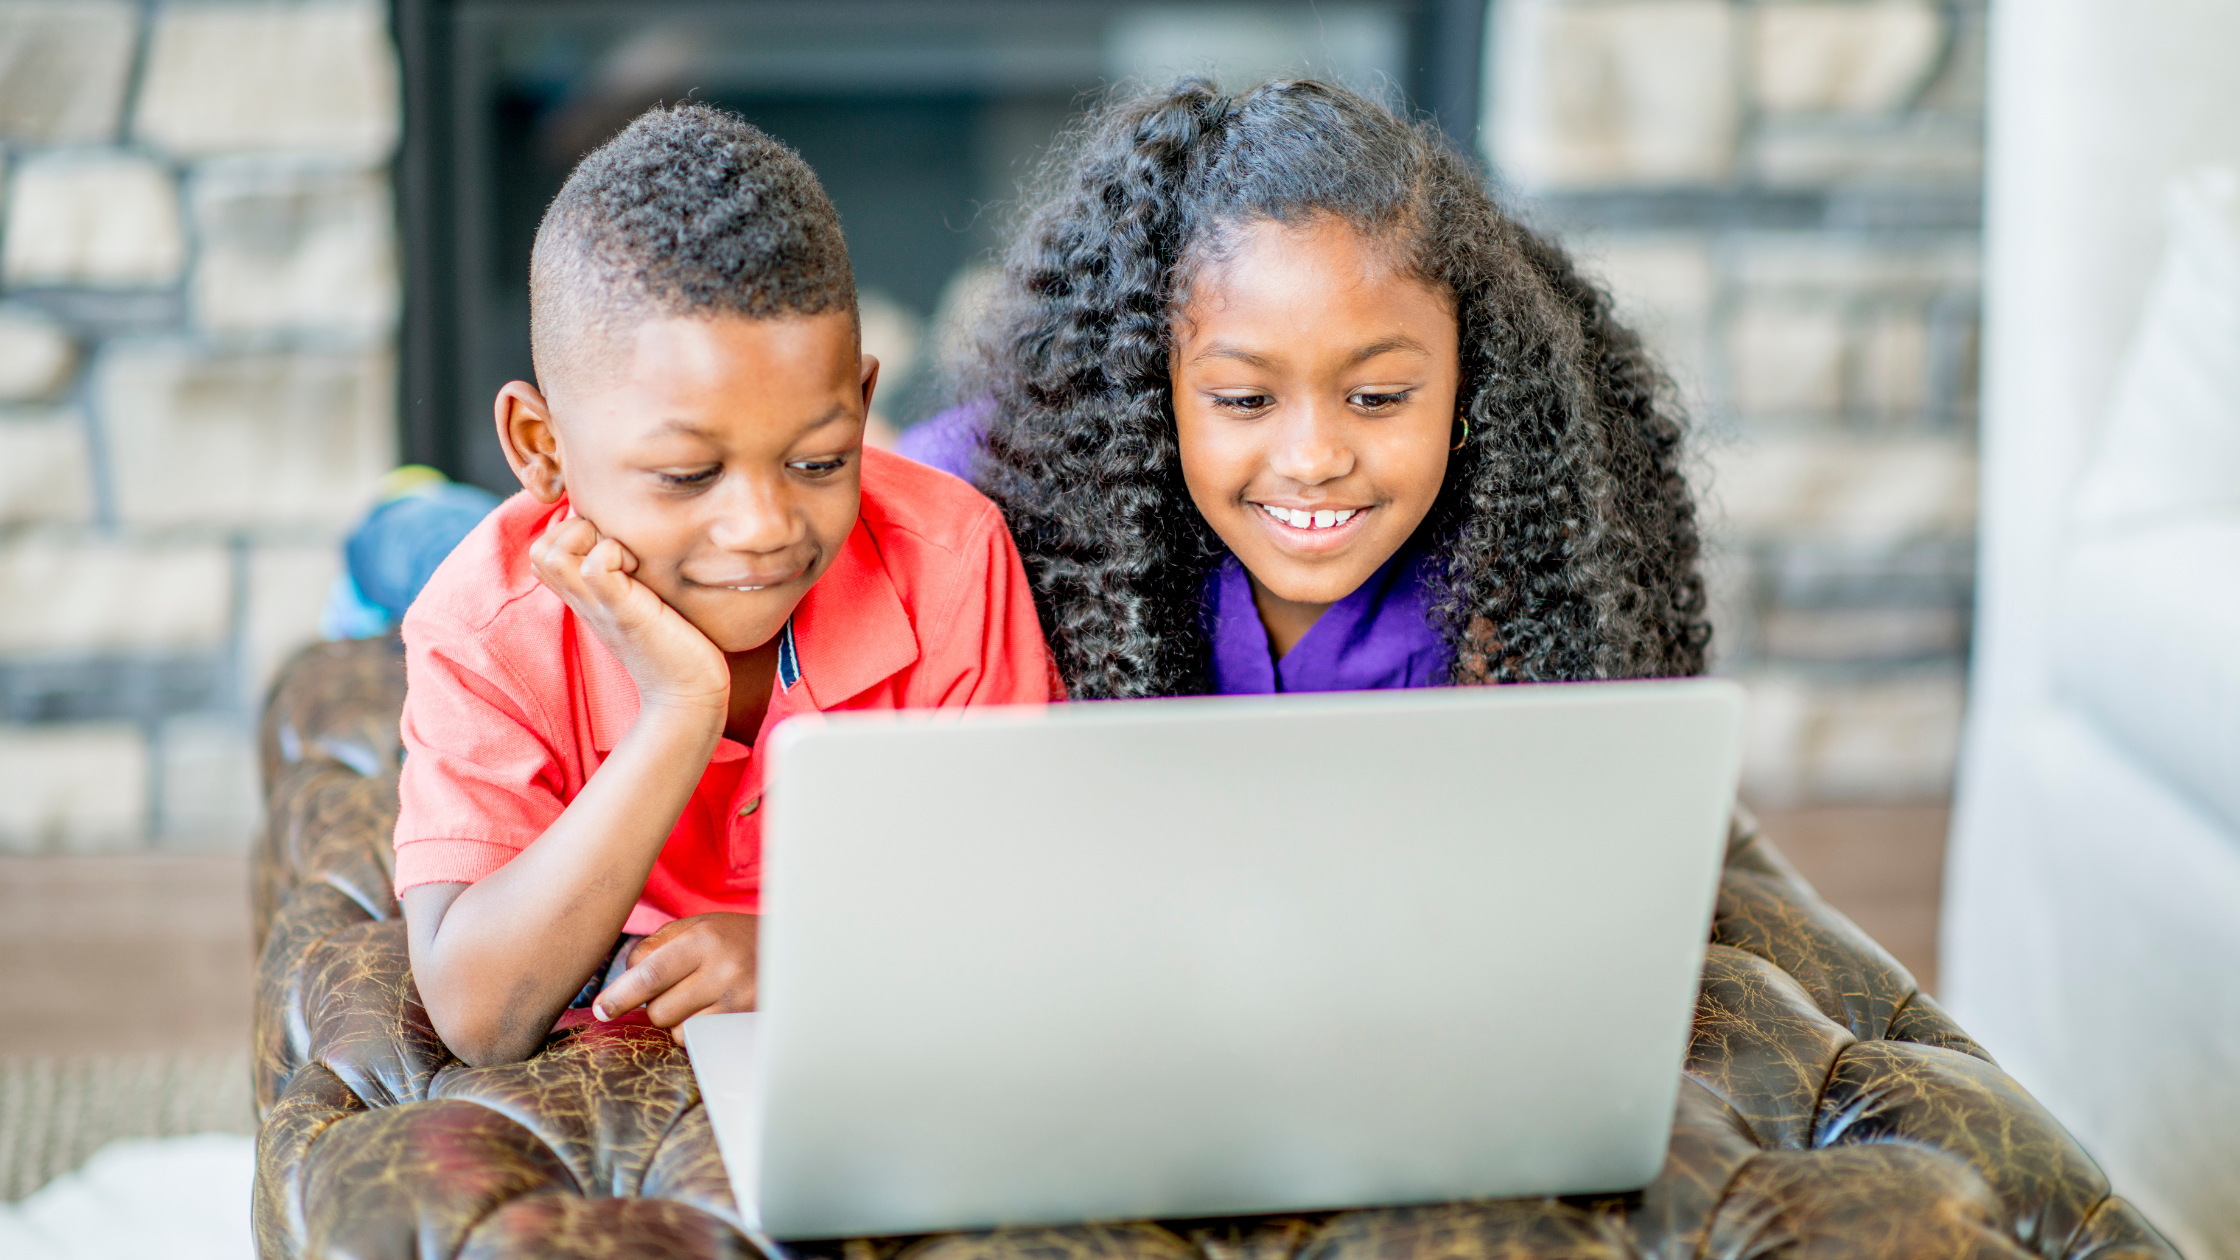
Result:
pixel 870 380
pixel 526 435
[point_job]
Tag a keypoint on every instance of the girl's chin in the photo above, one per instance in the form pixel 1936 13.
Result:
pixel 1318 582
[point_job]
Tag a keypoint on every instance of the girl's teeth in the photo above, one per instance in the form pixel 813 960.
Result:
pixel 1324 518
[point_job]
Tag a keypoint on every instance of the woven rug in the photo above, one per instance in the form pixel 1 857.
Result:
pixel 55 1112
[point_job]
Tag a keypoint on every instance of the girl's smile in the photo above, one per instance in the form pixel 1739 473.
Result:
pixel 1223 315
pixel 1314 399
pixel 1308 528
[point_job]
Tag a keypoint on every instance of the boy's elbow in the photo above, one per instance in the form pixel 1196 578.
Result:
pixel 488 1047
pixel 492 1053
pixel 478 1039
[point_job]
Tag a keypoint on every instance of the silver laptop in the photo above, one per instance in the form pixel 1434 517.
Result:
pixel 1182 958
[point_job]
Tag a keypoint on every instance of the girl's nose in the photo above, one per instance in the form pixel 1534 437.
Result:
pixel 1309 445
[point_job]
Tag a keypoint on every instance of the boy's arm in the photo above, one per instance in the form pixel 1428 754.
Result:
pixel 497 960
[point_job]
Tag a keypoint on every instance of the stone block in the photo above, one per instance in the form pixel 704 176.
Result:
pixel 1785 358
pixel 287 587
pixel 242 78
pixel 1664 285
pixel 46 476
pixel 207 797
pixel 1818 57
pixel 893 334
pixel 37 356
pixel 1891 385
pixel 1935 570
pixel 1865 491
pixel 1731 592
pixel 1891 739
pixel 1938 150
pixel 101 314
pixel 288 247
pixel 1629 93
pixel 63 65
pixel 122 686
pixel 103 220
pixel 1823 263
pixel 1855 635
pixel 62 592
pixel 1958 88
pixel 239 439
pixel 72 788
pixel 1362 46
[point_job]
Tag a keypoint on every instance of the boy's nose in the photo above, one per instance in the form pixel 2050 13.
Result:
pixel 754 518
pixel 1310 446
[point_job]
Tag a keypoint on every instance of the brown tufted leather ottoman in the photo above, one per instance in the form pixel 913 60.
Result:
pixel 1829 1109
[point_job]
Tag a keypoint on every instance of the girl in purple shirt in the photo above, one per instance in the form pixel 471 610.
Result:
pixel 1276 398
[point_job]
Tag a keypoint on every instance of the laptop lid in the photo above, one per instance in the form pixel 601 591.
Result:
pixel 1222 956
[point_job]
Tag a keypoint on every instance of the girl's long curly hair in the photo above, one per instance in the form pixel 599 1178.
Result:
pixel 1565 535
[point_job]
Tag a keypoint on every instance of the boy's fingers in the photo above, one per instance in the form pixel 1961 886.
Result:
pixel 557 554
pixel 642 983
pixel 571 537
pixel 678 1003
pixel 605 557
pixel 607 569
pixel 659 937
pixel 602 578
pixel 701 991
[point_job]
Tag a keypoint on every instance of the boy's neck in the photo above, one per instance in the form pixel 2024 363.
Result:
pixel 753 673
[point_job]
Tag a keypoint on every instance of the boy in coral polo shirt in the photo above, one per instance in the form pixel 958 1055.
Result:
pixel 702 548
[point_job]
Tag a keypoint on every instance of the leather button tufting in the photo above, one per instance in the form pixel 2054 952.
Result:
pixel 1828 1106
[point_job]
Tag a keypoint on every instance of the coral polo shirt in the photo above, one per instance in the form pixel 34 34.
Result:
pixel 512 704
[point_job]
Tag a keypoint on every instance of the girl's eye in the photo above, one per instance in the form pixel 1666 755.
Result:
pixel 819 467
pixel 1380 402
pixel 1244 406
pixel 689 481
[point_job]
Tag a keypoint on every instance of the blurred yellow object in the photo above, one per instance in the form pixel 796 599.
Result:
pixel 407 479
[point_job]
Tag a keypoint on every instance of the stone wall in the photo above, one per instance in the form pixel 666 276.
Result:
pixel 198 297
pixel 1785 195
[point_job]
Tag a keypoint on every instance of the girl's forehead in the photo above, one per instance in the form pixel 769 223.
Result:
pixel 1266 259
pixel 1306 281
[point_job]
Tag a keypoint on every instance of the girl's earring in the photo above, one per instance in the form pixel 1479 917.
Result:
pixel 1465 435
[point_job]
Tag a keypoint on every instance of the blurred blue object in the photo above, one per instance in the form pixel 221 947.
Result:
pixel 420 517
pixel 348 615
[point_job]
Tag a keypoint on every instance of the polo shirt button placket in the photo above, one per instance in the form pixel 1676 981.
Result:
pixel 750 807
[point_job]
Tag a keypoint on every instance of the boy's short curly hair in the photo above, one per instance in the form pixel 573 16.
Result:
pixel 689 210
pixel 1564 539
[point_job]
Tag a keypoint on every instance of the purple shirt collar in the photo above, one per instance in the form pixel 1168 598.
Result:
pixel 1378 637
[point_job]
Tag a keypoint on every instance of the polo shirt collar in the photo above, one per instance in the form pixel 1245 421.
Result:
pixel 849 634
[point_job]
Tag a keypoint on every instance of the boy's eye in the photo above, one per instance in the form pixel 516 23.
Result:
pixel 819 467
pixel 1380 402
pixel 1244 405
pixel 690 480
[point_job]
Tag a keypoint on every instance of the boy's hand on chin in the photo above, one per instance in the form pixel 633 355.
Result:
pixel 666 656
pixel 704 963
